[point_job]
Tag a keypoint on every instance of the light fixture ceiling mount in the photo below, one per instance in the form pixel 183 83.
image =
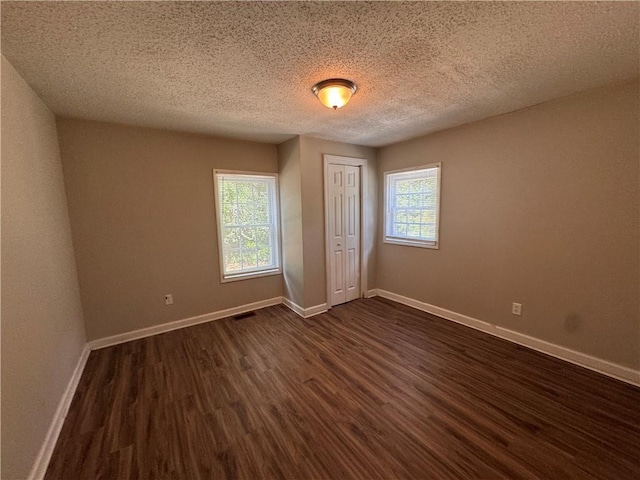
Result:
pixel 334 92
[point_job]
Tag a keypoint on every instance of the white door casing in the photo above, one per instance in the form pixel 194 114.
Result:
pixel 344 232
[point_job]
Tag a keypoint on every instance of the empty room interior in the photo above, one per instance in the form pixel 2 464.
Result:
pixel 320 240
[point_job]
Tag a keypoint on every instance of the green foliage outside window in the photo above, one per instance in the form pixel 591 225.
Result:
pixel 248 227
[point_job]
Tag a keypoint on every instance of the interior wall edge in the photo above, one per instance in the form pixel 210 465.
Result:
pixel 43 329
pixel 305 312
pixel 44 455
pixel 599 365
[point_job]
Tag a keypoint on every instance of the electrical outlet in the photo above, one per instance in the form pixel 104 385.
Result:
pixel 516 309
pixel 168 299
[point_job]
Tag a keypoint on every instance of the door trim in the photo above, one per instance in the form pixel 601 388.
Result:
pixel 364 170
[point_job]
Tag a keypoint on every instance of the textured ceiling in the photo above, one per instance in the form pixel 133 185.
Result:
pixel 245 70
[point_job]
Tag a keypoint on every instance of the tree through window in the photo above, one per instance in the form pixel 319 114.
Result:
pixel 248 236
pixel 412 206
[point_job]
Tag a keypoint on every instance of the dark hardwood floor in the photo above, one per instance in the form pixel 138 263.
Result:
pixel 372 389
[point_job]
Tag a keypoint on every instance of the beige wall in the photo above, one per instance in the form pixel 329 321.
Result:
pixel 291 220
pixel 311 154
pixel 42 328
pixel 539 207
pixel 142 214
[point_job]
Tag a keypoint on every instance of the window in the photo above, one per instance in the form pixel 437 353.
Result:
pixel 248 235
pixel 412 206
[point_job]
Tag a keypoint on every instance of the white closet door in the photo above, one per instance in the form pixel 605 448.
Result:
pixel 344 232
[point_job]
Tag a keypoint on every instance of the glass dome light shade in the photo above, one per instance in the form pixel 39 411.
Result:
pixel 334 93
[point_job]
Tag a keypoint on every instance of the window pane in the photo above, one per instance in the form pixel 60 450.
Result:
pixel 411 200
pixel 414 216
pixel 247 216
pixel 248 238
pixel 402 201
pixel 415 200
pixel 416 186
pixel 428 231
pixel 428 216
pixel 264 257
pixel 261 213
pixel 228 192
pixel 249 259
pixel 260 191
pixel 403 187
pixel 430 200
pixel 232 260
pixel 227 214
pixel 231 238
pixel 262 237
pixel 244 193
pixel 413 230
pixel 400 229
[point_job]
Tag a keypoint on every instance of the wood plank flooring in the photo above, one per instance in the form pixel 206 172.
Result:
pixel 372 389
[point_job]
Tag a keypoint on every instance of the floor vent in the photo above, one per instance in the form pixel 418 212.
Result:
pixel 242 316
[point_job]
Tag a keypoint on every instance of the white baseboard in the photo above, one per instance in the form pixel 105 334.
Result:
pixel 305 312
pixel 44 455
pixel 185 322
pixel 596 364
pixel 371 293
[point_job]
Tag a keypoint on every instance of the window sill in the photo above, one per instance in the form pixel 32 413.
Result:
pixel 248 276
pixel 411 243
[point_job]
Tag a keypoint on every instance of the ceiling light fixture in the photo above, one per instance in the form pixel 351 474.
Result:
pixel 335 92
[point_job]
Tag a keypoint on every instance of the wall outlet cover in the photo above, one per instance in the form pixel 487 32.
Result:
pixel 516 308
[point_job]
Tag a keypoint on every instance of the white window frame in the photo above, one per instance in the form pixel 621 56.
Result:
pixel 275 212
pixel 388 215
